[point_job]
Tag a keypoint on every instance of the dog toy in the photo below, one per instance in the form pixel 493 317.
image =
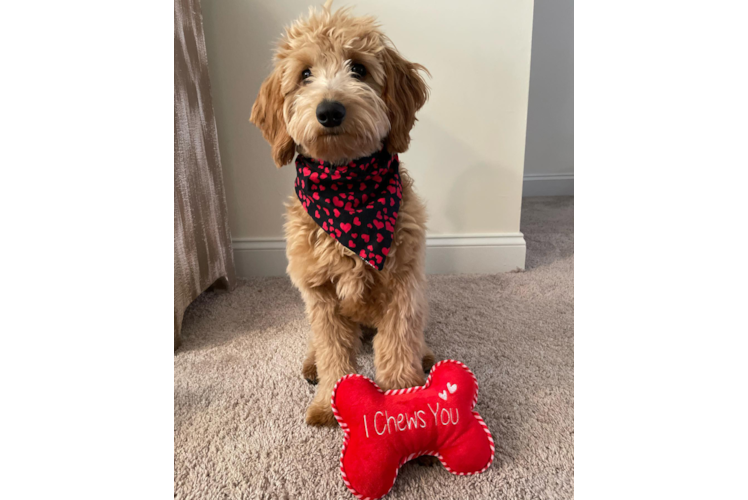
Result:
pixel 383 430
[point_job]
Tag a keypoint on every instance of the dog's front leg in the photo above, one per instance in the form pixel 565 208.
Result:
pixel 399 344
pixel 336 341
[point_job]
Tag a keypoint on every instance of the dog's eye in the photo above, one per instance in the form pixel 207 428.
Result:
pixel 358 70
pixel 307 73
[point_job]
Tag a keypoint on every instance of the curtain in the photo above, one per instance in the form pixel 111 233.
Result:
pixel 202 241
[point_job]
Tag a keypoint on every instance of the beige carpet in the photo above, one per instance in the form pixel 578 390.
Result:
pixel 239 397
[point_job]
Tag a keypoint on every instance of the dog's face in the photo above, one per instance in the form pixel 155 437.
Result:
pixel 338 91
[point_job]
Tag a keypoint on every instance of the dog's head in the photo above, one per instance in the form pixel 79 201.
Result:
pixel 339 90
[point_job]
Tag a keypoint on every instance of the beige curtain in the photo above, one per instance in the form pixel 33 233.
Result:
pixel 202 242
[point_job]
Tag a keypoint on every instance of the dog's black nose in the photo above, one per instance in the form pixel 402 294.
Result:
pixel 330 113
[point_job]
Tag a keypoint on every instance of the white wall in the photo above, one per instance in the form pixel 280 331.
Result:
pixel 467 149
pixel 549 158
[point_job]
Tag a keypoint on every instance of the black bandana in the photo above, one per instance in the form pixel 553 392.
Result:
pixel 356 204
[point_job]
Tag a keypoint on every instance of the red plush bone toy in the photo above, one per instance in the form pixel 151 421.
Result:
pixel 383 430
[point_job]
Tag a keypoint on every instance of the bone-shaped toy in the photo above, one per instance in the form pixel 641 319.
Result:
pixel 383 430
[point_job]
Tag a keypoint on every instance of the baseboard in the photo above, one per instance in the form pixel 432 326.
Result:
pixel 475 254
pixel 548 185
pixel 459 254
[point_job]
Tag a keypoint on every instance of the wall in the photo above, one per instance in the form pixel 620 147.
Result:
pixel 549 158
pixel 467 152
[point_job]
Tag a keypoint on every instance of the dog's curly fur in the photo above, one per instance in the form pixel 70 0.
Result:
pixel 341 292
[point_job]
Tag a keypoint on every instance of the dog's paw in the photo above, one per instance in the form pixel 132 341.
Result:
pixel 309 370
pixel 401 381
pixel 320 415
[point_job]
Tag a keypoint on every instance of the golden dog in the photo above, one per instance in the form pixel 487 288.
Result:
pixel 337 58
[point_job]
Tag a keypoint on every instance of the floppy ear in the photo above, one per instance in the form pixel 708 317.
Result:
pixel 405 92
pixel 267 114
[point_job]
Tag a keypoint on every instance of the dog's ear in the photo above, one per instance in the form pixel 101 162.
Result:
pixel 267 114
pixel 405 92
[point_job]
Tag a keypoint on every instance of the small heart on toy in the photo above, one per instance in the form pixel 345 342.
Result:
pixel 443 395
pixel 451 388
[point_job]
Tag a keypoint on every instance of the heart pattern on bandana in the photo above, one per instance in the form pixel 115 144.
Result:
pixel 356 204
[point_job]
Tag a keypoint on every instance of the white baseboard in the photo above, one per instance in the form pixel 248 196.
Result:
pixel 548 185
pixel 462 254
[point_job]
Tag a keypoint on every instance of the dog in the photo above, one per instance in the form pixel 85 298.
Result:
pixel 340 92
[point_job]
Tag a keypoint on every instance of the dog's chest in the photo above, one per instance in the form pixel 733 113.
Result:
pixel 362 301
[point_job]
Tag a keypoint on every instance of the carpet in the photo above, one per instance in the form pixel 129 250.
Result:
pixel 240 399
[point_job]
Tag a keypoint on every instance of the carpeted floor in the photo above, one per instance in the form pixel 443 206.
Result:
pixel 239 397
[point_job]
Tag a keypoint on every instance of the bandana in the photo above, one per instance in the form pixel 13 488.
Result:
pixel 356 204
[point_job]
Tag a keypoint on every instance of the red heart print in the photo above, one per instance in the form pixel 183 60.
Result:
pixel 377 183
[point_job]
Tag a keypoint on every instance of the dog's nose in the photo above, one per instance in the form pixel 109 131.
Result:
pixel 330 113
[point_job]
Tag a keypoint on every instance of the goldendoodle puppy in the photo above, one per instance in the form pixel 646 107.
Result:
pixel 343 98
